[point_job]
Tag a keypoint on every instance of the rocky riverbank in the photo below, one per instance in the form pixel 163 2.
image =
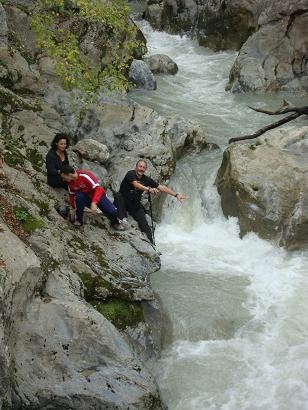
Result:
pixel 264 184
pixel 79 318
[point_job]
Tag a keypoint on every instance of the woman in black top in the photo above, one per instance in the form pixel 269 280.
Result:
pixel 55 159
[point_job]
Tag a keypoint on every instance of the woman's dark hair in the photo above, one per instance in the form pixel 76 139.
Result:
pixel 60 136
pixel 67 169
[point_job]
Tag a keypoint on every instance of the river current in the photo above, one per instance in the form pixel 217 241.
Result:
pixel 237 330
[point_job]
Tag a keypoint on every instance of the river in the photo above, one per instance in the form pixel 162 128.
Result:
pixel 237 330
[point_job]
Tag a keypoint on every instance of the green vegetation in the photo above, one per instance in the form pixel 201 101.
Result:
pixel 35 158
pixel 29 223
pixel 120 312
pixel 92 286
pixel 109 19
pixel 42 205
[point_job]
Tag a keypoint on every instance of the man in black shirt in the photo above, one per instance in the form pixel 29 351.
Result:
pixel 133 185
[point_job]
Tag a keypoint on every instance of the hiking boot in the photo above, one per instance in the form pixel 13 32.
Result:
pixel 118 227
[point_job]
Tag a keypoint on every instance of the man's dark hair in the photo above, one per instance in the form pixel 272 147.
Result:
pixel 67 169
pixel 60 136
pixel 142 160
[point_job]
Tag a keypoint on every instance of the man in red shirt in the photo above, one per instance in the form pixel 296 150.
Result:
pixel 85 191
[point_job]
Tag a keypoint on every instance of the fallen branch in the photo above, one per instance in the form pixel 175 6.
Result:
pixel 286 108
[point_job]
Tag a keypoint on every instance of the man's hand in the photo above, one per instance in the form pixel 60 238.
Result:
pixel 93 207
pixel 153 190
pixel 181 198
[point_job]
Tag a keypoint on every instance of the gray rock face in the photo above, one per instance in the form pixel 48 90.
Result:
pixel 65 353
pixel 264 184
pixel 17 73
pixel 173 15
pixel 19 26
pixel 3 27
pixel 131 131
pixel 274 58
pixel 78 314
pixel 224 25
pixel 141 75
pixel 161 64
pixel 92 150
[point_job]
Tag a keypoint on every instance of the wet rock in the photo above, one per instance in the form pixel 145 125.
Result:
pixel 226 25
pixel 92 150
pixel 219 24
pixel 264 183
pixel 141 75
pixel 273 58
pixel 161 64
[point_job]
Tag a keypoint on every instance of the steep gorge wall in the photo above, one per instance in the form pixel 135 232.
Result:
pixel 77 307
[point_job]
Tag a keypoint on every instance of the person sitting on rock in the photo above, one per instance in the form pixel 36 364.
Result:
pixel 56 158
pixel 133 185
pixel 85 191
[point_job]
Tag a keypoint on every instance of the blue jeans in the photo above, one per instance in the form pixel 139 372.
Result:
pixel 82 200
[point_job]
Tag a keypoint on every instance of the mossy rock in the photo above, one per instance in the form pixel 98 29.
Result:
pixel 93 286
pixel 120 312
pixel 28 222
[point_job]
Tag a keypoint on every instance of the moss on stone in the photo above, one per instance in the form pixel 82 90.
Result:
pixel 102 260
pixel 92 285
pixel 35 158
pixel 12 155
pixel 28 222
pixel 10 99
pixel 77 243
pixel 16 44
pixel 120 312
pixel 42 205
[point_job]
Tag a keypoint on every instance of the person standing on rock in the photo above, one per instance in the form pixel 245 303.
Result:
pixel 85 191
pixel 56 158
pixel 132 187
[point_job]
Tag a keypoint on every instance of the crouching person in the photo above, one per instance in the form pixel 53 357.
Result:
pixel 85 191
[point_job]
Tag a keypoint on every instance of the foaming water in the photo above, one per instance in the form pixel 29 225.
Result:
pixel 198 89
pixel 237 337
pixel 239 313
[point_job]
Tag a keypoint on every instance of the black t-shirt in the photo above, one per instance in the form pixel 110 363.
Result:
pixel 131 195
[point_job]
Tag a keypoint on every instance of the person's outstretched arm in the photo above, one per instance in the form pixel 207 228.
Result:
pixel 167 190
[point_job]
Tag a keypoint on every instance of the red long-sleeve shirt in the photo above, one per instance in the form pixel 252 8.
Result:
pixel 87 183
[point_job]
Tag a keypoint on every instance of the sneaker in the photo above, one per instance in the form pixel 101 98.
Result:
pixel 118 227
pixel 77 224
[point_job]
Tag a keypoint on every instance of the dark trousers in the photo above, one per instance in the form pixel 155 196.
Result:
pixel 82 200
pixel 139 216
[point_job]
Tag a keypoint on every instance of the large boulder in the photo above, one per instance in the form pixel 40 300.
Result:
pixel 92 150
pixel 161 64
pixel 273 59
pixel 141 75
pixel 264 183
